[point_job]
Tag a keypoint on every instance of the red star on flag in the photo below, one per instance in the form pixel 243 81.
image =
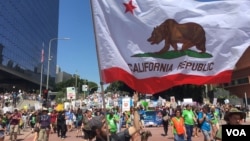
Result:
pixel 129 7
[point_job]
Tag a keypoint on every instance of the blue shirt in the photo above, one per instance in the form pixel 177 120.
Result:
pixel 205 125
pixel 142 114
pixel 69 115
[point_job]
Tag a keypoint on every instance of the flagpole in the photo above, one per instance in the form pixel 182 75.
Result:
pixel 41 78
pixel 100 74
pixel 246 100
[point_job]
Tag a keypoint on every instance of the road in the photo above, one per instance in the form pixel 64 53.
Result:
pixel 71 136
pixel 156 132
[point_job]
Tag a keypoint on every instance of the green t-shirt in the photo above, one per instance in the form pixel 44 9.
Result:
pixel 112 123
pixel 188 116
pixel 216 118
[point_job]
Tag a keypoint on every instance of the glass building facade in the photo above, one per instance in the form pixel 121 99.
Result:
pixel 27 26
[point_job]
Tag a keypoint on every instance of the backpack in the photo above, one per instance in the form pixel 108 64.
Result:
pixel 166 118
pixel 45 121
pixel 178 125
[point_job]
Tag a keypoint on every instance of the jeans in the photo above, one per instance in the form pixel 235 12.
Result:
pixel 207 135
pixel 179 137
pixel 189 131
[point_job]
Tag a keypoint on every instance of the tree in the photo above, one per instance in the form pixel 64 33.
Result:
pixel 61 88
pixel 182 91
pixel 71 83
pixel 121 87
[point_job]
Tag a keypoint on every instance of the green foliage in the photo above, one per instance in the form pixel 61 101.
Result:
pixel 121 87
pixel 72 83
pixel 175 54
pixel 61 88
pixel 60 97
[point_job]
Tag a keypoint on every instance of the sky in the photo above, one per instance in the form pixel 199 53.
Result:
pixel 77 55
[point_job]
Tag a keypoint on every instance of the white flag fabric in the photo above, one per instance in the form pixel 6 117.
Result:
pixel 153 45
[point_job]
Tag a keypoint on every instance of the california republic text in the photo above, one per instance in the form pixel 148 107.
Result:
pixel 163 67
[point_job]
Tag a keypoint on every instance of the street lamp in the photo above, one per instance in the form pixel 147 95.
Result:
pixel 49 58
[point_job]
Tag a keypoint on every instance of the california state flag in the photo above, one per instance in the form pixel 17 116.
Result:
pixel 153 45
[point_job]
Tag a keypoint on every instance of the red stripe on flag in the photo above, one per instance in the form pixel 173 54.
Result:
pixel 154 85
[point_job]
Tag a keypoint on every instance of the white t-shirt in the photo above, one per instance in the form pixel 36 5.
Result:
pixel 6 109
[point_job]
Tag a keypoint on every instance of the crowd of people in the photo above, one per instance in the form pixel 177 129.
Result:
pixel 90 124
pixel 184 122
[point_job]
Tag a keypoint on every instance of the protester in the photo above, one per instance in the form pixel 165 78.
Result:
pixel 69 119
pixel 214 120
pixel 233 117
pixel 112 123
pixel 189 120
pixel 196 111
pixel 178 126
pixel 204 118
pixel 88 133
pixel 32 121
pixel 44 124
pixel 142 114
pixel 119 115
pixel 79 118
pixel 165 120
pixel 2 129
pixel 53 116
pixel 14 124
pixel 61 124
pixel 99 126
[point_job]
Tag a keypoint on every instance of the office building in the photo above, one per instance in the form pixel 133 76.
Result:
pixel 62 76
pixel 26 26
pixel 240 84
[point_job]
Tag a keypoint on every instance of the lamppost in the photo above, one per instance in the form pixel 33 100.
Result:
pixel 49 58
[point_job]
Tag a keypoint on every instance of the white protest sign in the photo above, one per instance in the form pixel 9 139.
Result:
pixel 125 104
pixel 71 93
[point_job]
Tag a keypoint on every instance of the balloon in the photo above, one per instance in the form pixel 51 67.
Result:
pixel 25 107
pixel 59 107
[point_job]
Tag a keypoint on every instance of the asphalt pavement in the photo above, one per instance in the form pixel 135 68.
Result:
pixel 71 136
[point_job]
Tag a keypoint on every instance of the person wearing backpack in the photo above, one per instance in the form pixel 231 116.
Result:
pixel 178 126
pixel 44 124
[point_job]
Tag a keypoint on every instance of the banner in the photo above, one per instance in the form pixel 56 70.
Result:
pixel 153 45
